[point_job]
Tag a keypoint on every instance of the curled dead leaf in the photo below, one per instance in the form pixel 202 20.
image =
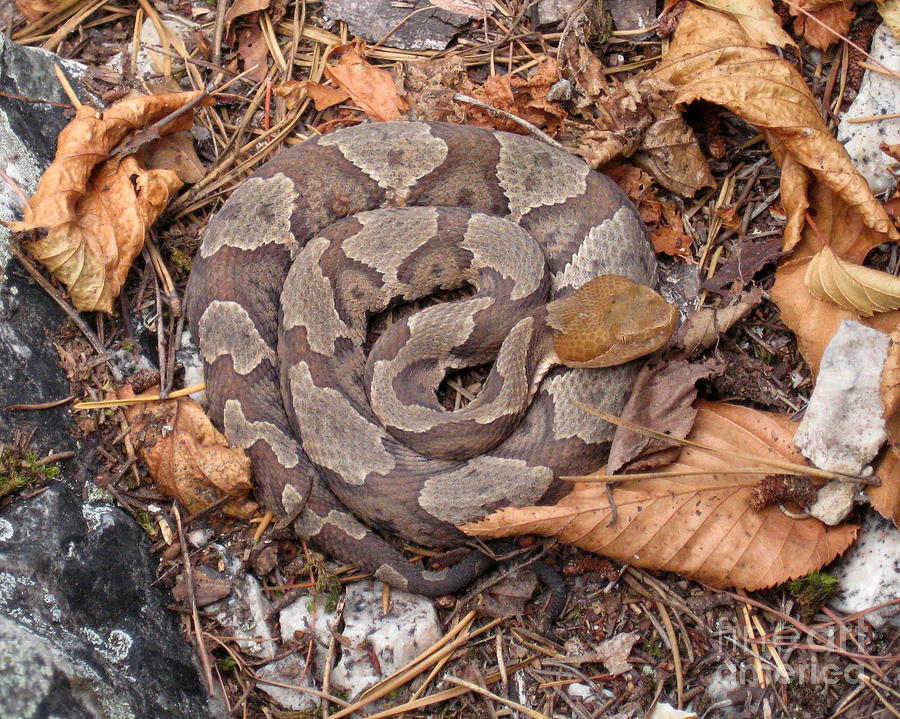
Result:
pixel 97 210
pixel 853 287
pixel 758 19
pixel 823 22
pixel 711 58
pixel 699 526
pixel 370 87
pixel 189 459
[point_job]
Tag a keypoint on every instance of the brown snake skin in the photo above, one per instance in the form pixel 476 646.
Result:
pixel 283 344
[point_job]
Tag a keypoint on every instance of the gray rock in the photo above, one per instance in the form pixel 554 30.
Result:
pixel 83 632
pixel 879 94
pixel 870 573
pixel 29 365
pixel 373 19
pixel 843 427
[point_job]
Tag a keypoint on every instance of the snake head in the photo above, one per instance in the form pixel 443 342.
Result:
pixel 609 320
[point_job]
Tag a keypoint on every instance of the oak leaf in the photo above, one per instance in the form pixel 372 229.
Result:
pixel 699 526
pixel 97 208
pixel 711 58
pixel 853 287
pixel 189 459
pixel 370 87
pixel 826 22
pixel 758 19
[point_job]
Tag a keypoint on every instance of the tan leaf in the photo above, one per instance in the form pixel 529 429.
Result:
pixel 254 51
pixel 711 58
pixel 244 7
pixel 890 13
pixel 97 210
pixel 853 287
pixel 662 398
pixel 174 152
pixel 699 526
pixel 189 459
pixel 758 19
pixel 886 498
pixel 323 96
pixel 370 87
pixel 35 9
pixel 814 320
pixel 829 21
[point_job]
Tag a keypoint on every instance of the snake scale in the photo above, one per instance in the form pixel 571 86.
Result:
pixel 342 226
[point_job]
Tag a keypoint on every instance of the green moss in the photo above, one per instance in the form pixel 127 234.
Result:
pixel 180 260
pixel 654 647
pixel 813 590
pixel 329 585
pixel 145 522
pixel 227 664
pixel 20 469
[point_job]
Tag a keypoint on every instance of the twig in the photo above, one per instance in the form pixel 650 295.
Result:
pixel 192 599
pixel 57 457
pixel 43 405
pixel 537 132
pixel 107 403
pixel 527 711
pixel 789 467
pixel 57 297
pixel 676 652
pixel 66 86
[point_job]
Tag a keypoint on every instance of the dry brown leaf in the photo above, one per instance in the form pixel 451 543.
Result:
pixel 97 211
pixel 637 118
pixel 372 88
pixel 890 13
pixel 701 329
pixel 36 9
pixel 813 320
pixel 833 18
pixel 758 19
pixel 661 399
pixel 174 152
pixel 699 526
pixel 520 96
pixel 669 237
pixel 243 7
pixel 853 287
pixel 254 51
pixel 886 498
pixel 323 96
pixel 188 458
pixel 711 58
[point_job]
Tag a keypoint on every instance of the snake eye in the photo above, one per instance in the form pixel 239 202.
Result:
pixel 608 321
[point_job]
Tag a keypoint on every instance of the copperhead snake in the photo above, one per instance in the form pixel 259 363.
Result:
pixel 346 224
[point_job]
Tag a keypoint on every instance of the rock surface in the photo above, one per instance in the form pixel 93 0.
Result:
pixel 879 94
pixel 29 365
pixel 843 427
pixel 431 29
pixel 83 633
pixel 83 630
pixel 870 572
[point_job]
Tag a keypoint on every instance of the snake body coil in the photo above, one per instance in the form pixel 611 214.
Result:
pixel 340 227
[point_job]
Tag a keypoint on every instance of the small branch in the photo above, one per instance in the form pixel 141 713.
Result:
pixel 537 132
pixel 57 297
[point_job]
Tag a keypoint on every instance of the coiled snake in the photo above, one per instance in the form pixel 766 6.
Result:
pixel 342 226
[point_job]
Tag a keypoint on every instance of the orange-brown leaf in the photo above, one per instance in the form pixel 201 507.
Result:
pixel 828 22
pixel 711 58
pixel 701 527
pixel 96 210
pixel 189 459
pixel 370 87
pixel 758 19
